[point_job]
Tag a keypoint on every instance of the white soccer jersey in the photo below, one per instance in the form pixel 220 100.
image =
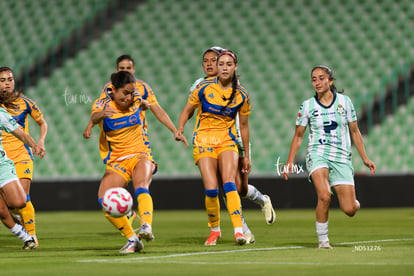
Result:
pixel 8 124
pixel 328 127
pixel 197 82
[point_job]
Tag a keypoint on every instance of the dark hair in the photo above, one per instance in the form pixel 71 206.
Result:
pixel 330 72
pixel 235 80
pixel 7 98
pixel 127 57
pixel 121 78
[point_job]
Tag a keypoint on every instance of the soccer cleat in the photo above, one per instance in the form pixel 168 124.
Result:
pixel 240 239
pixel 268 211
pixel 30 244
pixel 213 238
pixel 324 245
pixel 145 232
pixel 36 241
pixel 249 237
pixel 132 246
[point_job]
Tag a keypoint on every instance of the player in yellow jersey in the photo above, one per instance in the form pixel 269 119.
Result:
pixel 244 189
pixel 149 100
pixel 219 100
pixel 20 154
pixel 124 148
pixel 11 192
pixel 142 91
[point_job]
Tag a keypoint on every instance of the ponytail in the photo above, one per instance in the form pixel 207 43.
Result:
pixel 234 84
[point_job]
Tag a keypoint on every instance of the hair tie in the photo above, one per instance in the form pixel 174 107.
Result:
pixel 230 53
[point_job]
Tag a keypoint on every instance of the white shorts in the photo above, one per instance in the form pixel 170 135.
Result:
pixel 7 172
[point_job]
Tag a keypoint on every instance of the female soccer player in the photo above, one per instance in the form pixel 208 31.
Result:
pixel 125 149
pixel 16 150
pixel 244 189
pixel 11 192
pixel 148 101
pixel 332 120
pixel 146 96
pixel 215 141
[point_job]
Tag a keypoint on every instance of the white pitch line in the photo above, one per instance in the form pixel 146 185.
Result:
pixel 149 258
pixel 257 263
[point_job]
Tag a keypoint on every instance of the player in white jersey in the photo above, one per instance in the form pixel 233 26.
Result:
pixel 245 190
pixel 332 122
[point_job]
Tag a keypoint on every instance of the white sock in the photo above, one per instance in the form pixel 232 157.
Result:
pixel 215 229
pixel 133 238
pixel 245 227
pixel 255 195
pixel 238 230
pixel 322 231
pixel 20 232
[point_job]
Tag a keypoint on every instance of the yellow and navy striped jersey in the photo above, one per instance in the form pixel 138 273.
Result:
pixel 15 149
pixel 214 119
pixel 122 135
pixel 142 91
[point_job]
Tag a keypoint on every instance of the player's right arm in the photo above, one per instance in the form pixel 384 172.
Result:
pixel 98 116
pixel 294 148
pixel 184 116
pixel 189 108
pixel 28 140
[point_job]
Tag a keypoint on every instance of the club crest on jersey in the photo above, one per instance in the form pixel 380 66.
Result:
pixel 341 109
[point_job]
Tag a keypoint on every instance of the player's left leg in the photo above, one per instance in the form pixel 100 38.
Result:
pixel 28 212
pixel 251 193
pixel 141 178
pixel 341 178
pixel 347 199
pixel 228 164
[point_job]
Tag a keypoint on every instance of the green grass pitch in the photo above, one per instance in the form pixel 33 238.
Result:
pixel 374 242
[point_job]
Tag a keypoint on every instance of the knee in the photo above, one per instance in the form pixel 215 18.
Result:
pixel 351 210
pixel 324 198
pixel 19 204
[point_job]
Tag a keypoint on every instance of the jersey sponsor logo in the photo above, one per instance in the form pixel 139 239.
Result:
pixel 324 141
pixel 133 119
pixel 328 126
pixel 27 171
pixel 211 95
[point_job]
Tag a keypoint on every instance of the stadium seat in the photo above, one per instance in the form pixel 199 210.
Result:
pixel 277 42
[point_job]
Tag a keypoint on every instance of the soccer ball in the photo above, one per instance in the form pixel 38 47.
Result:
pixel 117 202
